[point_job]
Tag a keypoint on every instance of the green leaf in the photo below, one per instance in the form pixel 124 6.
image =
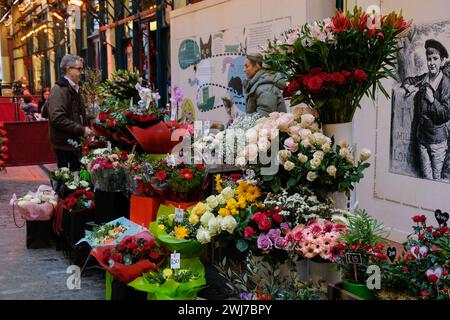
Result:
pixel 242 245
pixel 292 182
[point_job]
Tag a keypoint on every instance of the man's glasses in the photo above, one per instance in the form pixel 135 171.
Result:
pixel 80 69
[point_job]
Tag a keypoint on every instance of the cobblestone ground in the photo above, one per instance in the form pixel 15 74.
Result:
pixel 35 274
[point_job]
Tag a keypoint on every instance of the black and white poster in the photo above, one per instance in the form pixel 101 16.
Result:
pixel 420 114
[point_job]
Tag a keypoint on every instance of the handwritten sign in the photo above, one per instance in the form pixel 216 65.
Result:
pixel 353 258
pixel 391 253
pixel 441 217
pixel 175 260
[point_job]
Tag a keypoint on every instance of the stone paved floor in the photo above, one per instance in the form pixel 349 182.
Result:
pixel 35 274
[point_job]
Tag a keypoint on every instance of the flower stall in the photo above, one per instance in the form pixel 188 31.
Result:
pixel 279 229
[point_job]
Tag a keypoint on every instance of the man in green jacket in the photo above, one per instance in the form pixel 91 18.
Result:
pixel 263 89
pixel 67 115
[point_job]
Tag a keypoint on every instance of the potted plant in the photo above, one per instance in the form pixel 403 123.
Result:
pixel 363 247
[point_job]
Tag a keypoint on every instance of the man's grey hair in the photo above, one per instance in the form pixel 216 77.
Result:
pixel 68 61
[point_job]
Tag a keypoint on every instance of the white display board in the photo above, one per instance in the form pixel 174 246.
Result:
pixel 209 41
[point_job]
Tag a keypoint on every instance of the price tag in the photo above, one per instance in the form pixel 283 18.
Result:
pixel 109 146
pixel 353 258
pixel 175 260
pixel 179 215
pixel 76 178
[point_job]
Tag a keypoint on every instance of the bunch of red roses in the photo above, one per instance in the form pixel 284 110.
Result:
pixel 130 258
pixel 3 147
pixel 132 250
pixel 317 80
pixel 79 200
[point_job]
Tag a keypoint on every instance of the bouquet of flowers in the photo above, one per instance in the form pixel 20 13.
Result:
pixel 179 182
pixel 107 233
pixel 423 271
pixel 306 157
pixel 266 233
pixel 111 233
pixel 225 217
pixel 317 240
pixel 133 256
pixel 3 147
pixel 108 168
pixel 177 231
pixel 65 182
pixel 127 102
pixel 332 64
pixel 36 206
pixel 81 199
pixel 303 207
pixel 173 284
pixel 141 172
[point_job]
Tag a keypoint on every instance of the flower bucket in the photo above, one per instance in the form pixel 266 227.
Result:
pixel 156 138
pixel 342 131
pixel 359 290
pixel 324 270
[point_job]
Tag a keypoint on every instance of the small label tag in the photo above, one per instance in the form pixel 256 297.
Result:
pixel 76 178
pixel 178 215
pixel 109 146
pixel 353 258
pixel 175 260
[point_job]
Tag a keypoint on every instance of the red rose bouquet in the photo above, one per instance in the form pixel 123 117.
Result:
pixel 81 199
pixel 133 256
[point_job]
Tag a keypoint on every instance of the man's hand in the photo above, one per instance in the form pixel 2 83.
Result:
pixel 429 95
pixel 88 132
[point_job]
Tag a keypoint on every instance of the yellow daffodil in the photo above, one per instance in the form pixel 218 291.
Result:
pixel 253 193
pixel 181 232
pixel 223 212
pixel 193 218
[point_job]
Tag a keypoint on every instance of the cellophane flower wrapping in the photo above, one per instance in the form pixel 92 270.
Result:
pixel 126 273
